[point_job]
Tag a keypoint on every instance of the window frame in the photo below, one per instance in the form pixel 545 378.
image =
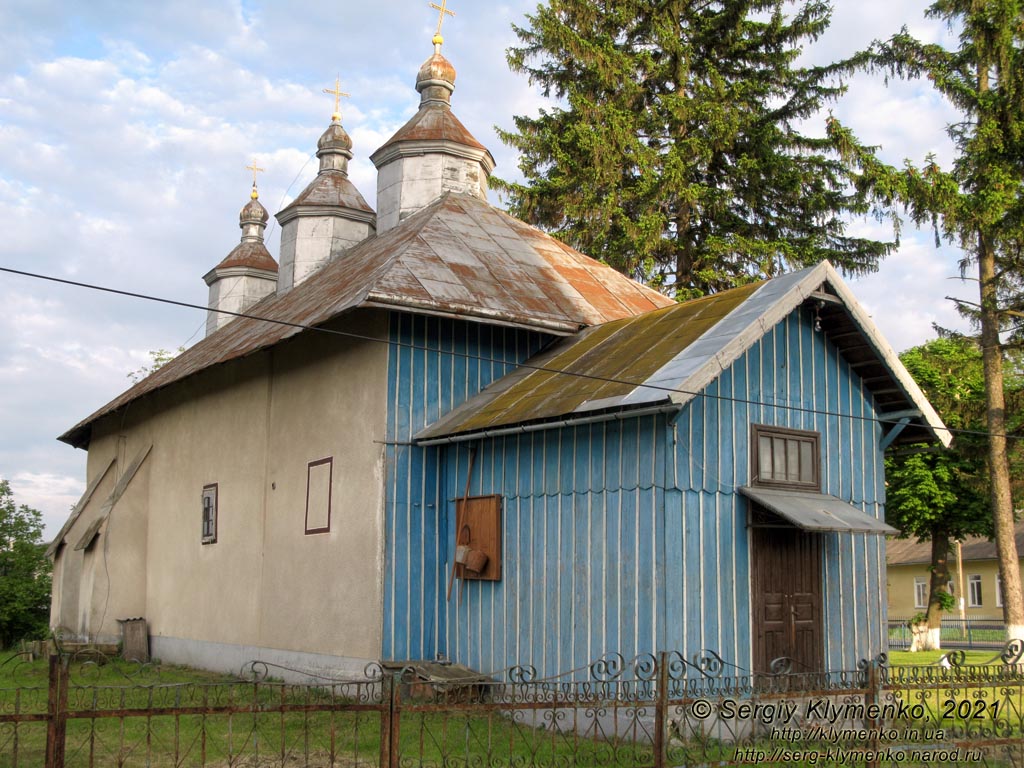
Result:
pixel 999 590
pixel 211 490
pixel 919 600
pixel 797 435
pixel 329 461
pixel 974 586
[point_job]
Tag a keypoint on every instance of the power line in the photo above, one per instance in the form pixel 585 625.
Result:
pixel 483 358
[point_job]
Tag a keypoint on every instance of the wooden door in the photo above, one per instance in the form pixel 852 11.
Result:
pixel 786 596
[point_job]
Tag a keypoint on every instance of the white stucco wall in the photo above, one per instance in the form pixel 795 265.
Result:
pixel 308 242
pixel 252 426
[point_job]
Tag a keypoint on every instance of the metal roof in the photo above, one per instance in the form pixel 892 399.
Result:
pixel 816 511
pixel 433 122
pixel 330 189
pixel 252 254
pixel 911 551
pixel 674 353
pixel 458 257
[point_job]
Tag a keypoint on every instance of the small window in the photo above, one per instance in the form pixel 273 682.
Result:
pixel 920 592
pixel 209 514
pixel 786 457
pixel 999 590
pixel 974 590
pixel 319 477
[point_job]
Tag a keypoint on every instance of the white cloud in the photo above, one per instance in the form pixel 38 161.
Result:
pixel 53 495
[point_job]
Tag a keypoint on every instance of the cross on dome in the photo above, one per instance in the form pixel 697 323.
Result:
pixel 443 11
pixel 255 169
pixel 337 93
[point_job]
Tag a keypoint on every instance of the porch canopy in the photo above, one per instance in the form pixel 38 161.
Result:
pixel 816 511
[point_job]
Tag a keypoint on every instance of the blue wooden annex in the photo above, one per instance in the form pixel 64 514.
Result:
pixel 706 475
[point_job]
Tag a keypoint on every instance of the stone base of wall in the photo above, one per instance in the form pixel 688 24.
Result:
pixel 290 666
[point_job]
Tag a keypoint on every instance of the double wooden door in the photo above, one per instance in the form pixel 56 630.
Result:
pixel 787 598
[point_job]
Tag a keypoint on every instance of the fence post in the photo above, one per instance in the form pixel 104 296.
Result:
pixel 57 706
pixel 661 711
pixel 873 722
pixel 390 714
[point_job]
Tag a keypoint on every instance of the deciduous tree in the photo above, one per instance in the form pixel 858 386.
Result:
pixel 24 571
pixel 939 496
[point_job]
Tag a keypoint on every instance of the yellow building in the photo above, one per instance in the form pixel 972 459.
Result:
pixel 907 576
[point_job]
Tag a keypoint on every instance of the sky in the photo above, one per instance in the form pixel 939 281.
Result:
pixel 126 129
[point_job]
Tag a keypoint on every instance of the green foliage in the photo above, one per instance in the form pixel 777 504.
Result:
pixel 945 600
pixel 158 358
pixel 676 157
pixel 929 490
pixel 24 572
pixel 978 202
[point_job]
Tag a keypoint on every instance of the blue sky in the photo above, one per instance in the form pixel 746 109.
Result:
pixel 125 129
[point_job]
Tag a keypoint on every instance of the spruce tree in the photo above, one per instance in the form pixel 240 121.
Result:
pixel 676 154
pixel 977 203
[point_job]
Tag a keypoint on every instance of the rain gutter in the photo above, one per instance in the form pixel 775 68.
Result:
pixel 519 429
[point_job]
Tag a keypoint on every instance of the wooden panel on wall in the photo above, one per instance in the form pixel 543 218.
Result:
pixel 478 525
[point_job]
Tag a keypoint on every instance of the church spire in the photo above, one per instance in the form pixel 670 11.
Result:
pixel 433 153
pixel 249 272
pixel 329 216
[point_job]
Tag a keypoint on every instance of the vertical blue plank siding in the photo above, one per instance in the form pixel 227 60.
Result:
pixel 624 536
pixel 434 365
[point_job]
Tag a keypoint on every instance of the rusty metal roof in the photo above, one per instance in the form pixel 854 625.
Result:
pixel 330 188
pixel 603 359
pixel 433 122
pixel 670 355
pixel 250 254
pixel 458 257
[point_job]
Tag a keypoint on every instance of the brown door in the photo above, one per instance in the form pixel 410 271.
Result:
pixel 786 597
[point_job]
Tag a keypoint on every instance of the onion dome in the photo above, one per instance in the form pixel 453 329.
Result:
pixel 251 252
pixel 334 148
pixel 253 212
pixel 436 79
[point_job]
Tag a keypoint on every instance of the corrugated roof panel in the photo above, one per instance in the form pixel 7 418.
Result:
pixel 607 360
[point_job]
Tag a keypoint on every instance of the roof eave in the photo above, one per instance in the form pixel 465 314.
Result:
pixel 781 308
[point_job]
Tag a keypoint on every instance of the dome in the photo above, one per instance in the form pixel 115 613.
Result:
pixel 437 67
pixel 334 138
pixel 253 212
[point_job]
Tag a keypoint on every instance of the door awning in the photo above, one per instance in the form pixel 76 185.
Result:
pixel 816 511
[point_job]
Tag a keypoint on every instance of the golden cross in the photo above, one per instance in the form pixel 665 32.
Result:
pixel 255 169
pixel 338 93
pixel 443 9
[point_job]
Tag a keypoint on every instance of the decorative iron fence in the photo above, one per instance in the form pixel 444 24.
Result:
pixel 981 634
pixel 664 710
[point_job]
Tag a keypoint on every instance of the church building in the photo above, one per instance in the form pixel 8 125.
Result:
pixel 432 430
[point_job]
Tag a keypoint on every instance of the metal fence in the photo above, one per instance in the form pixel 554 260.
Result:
pixel 664 710
pixel 974 633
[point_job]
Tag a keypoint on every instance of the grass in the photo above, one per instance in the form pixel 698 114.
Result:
pixel 264 736
pixel 343 738
pixel 919 658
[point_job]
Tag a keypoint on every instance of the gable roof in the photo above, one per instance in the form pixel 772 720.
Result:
pixel 458 257
pixel 668 356
pixel 913 552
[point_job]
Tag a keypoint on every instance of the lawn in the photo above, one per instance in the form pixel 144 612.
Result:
pixel 274 724
pixel 908 659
